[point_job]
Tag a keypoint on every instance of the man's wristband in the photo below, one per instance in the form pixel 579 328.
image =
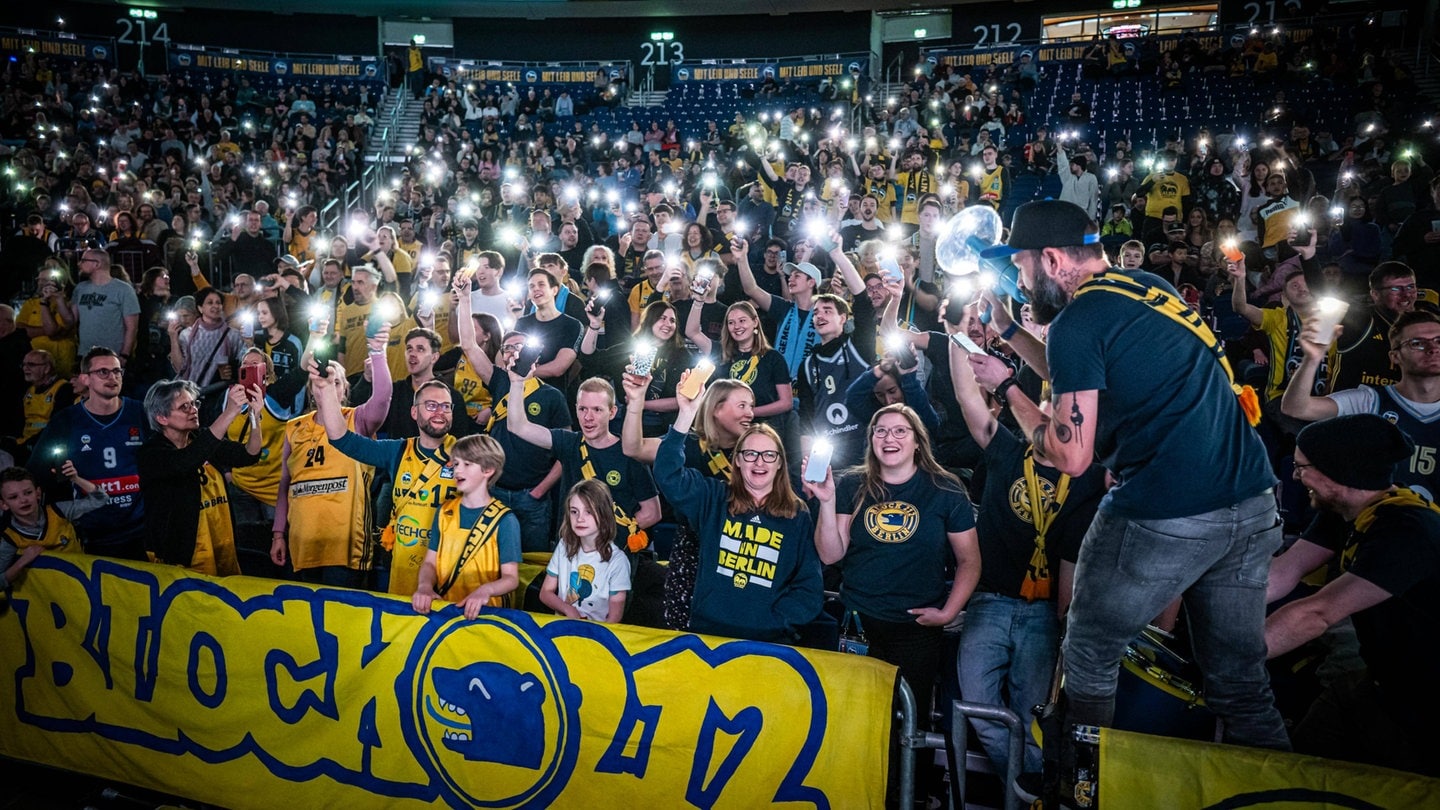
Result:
pixel 1002 391
pixel 1010 330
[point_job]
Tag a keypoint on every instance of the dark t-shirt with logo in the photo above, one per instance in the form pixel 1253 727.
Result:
pixel 899 549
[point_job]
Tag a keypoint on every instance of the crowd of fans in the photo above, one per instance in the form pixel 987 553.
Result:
pixel 531 303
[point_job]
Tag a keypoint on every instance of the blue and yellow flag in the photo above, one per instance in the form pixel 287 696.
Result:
pixel 250 693
pixel 1143 772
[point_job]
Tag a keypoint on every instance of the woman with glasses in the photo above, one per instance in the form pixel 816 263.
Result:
pixel 893 526
pixel 724 413
pixel 758 576
pixel 189 525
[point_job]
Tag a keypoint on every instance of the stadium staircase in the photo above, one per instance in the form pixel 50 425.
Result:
pixel 398 126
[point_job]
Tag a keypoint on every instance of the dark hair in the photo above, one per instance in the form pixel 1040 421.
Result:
pixel 549 277
pixel 98 351
pixel 1388 270
pixel 430 335
pixel 278 311
pixel 598 272
pixel 202 295
pixel 11 475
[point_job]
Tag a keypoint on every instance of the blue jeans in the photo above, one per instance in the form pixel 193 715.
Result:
pixel 1007 658
pixel 1129 570
pixel 534 517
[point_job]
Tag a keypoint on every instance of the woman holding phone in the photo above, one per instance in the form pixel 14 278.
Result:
pixel 724 413
pixel 893 525
pixel 765 596
pixel 660 354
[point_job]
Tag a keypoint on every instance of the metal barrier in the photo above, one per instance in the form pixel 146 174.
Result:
pixel 960 713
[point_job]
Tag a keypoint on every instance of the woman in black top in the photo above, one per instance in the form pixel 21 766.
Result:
pixel 660 330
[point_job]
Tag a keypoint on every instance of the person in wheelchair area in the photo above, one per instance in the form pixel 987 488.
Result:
pixel 1389 561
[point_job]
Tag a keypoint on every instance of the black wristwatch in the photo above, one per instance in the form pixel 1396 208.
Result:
pixel 1002 391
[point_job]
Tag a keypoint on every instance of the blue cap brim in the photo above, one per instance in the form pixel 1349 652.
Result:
pixel 998 252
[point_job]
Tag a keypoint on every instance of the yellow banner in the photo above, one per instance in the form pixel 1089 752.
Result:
pixel 1141 772
pixel 250 693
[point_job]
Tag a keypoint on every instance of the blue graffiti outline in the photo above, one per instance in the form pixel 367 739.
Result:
pixel 539 638
pixel 181 744
pixel 792 787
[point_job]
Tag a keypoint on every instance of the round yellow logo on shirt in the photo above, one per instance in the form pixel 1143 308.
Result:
pixel 1020 498
pixel 613 478
pixel 892 521
pixel 533 409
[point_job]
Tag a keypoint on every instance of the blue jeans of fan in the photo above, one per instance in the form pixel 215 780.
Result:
pixel 1007 658
pixel 1129 570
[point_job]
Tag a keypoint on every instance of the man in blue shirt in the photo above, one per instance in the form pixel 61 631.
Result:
pixel 1193 514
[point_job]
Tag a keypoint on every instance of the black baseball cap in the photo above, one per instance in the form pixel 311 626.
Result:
pixel 1046 224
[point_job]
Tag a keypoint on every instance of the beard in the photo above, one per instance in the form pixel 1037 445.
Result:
pixel 1047 299
pixel 432 432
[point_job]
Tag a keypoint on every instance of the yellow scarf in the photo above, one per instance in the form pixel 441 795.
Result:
pixel 1042 513
pixel 501 408
pixel 1176 310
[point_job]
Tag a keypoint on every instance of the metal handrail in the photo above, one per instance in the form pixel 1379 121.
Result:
pixel 960 713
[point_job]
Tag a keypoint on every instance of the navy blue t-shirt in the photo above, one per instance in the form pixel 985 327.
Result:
pixel 1169 426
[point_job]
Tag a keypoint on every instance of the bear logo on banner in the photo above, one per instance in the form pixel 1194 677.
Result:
pixel 485 696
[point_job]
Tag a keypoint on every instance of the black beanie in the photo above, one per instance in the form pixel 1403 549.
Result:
pixel 1360 450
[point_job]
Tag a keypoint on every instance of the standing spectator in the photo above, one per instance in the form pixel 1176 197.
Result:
pixel 1077 184
pixel 106 309
pixel 207 351
pixel 248 249
pixel 190 526
pixel 113 428
pixel 1209 522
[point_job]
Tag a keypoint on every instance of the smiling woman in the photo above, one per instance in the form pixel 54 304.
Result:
pixel 758 575
pixel 890 525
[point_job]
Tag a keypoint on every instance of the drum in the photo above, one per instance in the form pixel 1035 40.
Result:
pixel 1159 693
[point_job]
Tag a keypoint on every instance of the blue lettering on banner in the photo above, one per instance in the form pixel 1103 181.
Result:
pixel 103 640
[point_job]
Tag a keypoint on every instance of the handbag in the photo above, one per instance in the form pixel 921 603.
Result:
pixel 852 635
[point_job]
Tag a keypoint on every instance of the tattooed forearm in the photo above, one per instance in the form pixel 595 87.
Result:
pixel 1077 419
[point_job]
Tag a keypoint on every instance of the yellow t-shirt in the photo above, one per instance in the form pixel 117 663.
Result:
pixel 350 332
pixel 39 406
pixel 1284 347
pixel 1169 189
pixel 302 245
pixel 63 348
pixel 214 535
pixel 472 389
pixel 59 535
pixel 261 479
pixel 482 565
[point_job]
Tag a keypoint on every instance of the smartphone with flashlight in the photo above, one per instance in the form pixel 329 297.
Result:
pixel 964 342
pixel 819 462
pixel 325 352
pixel 376 320
pixel 644 359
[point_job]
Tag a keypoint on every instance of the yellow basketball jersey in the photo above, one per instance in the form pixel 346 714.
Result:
pixel 329 514
pixel 59 535
pixel 472 389
pixel 478 566
pixel 261 479
pixel 39 406
pixel 421 485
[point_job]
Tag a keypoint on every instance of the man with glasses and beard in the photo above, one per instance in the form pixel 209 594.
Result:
pixel 1193 514
pixel 101 435
pixel 418 468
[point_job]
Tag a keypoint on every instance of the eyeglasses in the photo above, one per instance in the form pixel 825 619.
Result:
pixel 438 407
pixel 1421 344
pixel 770 456
pixel 1396 290
pixel 895 432
pixel 107 372
pixel 190 406
pixel 1301 468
